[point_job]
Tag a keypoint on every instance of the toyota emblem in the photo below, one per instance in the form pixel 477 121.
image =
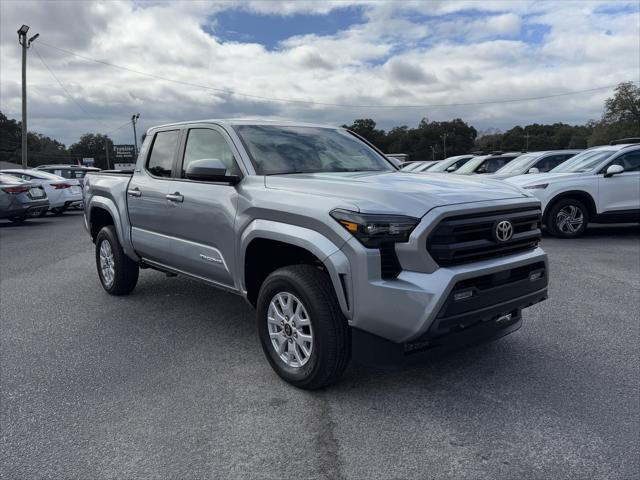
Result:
pixel 504 231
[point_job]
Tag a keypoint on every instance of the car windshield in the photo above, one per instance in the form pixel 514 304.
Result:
pixel 472 164
pixel 444 164
pixel 10 179
pixel 519 164
pixel 45 175
pixel 583 162
pixel 278 150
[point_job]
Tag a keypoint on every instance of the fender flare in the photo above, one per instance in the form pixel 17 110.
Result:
pixel 591 204
pixel 321 247
pixel 122 234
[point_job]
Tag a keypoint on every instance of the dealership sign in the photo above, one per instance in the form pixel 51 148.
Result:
pixel 124 151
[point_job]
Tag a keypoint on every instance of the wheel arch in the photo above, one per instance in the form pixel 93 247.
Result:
pixel 583 196
pixel 266 245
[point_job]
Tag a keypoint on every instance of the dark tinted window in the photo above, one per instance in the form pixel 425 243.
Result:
pixel 630 161
pixel 492 165
pixel 552 161
pixel 162 153
pixel 205 143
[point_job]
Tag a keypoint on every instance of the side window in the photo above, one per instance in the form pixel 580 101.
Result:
pixel 630 161
pixel 163 151
pixel 550 162
pixel 206 143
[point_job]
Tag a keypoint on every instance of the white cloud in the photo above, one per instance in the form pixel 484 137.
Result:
pixel 402 53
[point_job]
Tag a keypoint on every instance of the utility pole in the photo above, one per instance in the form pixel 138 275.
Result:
pixel 433 152
pixel 106 149
pixel 134 119
pixel 526 149
pixel 444 145
pixel 22 40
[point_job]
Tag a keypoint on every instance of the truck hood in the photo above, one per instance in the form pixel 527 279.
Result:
pixel 396 192
pixel 536 178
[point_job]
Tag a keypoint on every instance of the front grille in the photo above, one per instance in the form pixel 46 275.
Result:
pixel 470 238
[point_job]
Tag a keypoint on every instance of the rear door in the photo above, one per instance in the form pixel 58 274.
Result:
pixel 621 193
pixel 147 197
pixel 202 214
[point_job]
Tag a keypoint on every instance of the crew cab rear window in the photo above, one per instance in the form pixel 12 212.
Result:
pixel 162 153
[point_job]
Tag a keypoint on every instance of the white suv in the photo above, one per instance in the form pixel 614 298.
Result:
pixel 599 185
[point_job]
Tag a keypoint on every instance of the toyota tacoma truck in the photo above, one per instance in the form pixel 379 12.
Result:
pixel 342 255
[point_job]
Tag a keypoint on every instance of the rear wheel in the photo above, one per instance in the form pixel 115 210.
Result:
pixel 303 333
pixel 57 211
pixel 567 218
pixel 118 273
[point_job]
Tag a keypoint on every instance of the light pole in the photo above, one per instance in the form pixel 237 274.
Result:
pixel 444 145
pixel 526 149
pixel 134 119
pixel 433 152
pixel 22 40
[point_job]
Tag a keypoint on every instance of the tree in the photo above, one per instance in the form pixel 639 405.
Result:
pixel 93 145
pixel 366 128
pixel 621 117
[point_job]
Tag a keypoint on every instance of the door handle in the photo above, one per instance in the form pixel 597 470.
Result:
pixel 175 197
pixel 134 192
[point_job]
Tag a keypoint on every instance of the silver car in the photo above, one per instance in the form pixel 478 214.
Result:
pixel 534 162
pixel 20 200
pixel 61 193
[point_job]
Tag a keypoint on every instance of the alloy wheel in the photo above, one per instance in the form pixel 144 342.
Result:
pixel 289 328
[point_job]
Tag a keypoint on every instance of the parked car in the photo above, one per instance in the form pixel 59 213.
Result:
pixel 20 200
pixel 74 173
pixel 534 162
pixel 341 254
pixel 409 166
pixel 60 192
pixel 486 164
pixel 449 164
pixel 425 165
pixel 599 185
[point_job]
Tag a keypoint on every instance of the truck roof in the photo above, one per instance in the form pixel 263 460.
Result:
pixel 247 121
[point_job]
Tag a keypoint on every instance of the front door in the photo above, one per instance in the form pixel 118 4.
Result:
pixel 621 192
pixel 202 214
pixel 146 197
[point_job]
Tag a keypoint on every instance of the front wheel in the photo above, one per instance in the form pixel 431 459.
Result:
pixel 58 211
pixel 303 333
pixel 567 218
pixel 118 273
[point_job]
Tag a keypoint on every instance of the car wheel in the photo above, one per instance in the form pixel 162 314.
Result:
pixel 118 273
pixel 43 213
pixel 303 332
pixel 567 218
pixel 17 219
pixel 57 211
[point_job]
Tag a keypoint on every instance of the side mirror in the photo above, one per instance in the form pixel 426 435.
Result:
pixel 613 170
pixel 533 170
pixel 210 170
pixel 451 169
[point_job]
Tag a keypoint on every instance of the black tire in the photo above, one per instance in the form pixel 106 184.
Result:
pixel 554 222
pixel 17 219
pixel 331 348
pixel 43 213
pixel 58 211
pixel 126 271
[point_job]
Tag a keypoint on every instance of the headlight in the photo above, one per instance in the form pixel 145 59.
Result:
pixel 373 230
pixel 536 187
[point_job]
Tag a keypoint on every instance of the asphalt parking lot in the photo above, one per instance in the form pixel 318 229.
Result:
pixel 170 382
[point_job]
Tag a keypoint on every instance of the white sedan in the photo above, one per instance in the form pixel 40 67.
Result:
pixel 599 185
pixel 61 192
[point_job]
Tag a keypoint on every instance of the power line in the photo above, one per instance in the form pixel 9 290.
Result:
pixel 309 102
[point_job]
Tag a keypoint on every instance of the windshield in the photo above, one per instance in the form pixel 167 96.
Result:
pixel 441 166
pixel 283 149
pixel 584 162
pixel 471 165
pixel 520 164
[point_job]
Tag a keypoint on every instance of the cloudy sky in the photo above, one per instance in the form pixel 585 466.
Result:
pixel 327 62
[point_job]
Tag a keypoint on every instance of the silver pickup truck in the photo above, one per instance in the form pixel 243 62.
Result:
pixel 341 254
